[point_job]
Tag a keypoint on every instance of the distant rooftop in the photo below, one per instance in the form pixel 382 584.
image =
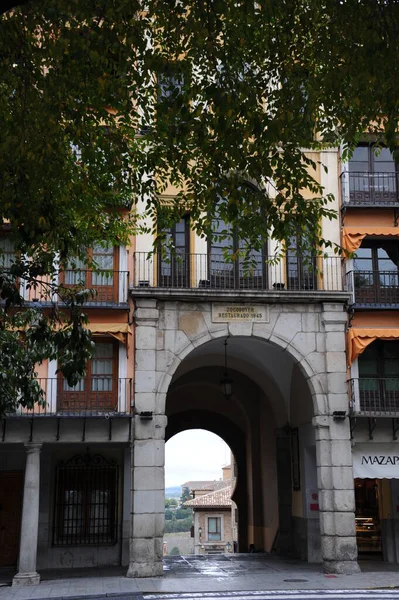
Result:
pixel 220 498
pixel 201 485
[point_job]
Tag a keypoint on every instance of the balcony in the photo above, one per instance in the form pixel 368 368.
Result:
pixel 375 397
pixel 91 397
pixel 212 273
pixel 369 189
pixel 110 288
pixel 374 289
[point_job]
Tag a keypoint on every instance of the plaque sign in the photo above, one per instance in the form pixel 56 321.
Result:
pixel 224 313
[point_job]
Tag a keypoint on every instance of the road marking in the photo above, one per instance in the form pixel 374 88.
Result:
pixel 275 594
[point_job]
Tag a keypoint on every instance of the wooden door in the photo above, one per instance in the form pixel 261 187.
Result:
pixel 98 391
pixel 105 279
pixel 11 487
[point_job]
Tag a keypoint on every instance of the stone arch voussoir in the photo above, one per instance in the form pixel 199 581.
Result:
pixel 311 376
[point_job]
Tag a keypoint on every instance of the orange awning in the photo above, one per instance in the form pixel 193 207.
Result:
pixel 361 337
pixel 117 330
pixel 352 237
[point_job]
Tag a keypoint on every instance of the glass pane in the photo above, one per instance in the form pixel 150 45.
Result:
pixel 102 279
pixel 363 260
pixel 102 349
pixel 101 384
pixel 98 516
pixel 79 387
pixel 391 350
pixel 7 254
pixel 388 256
pixel 75 277
pixel 368 362
pixel 73 513
pixel 360 154
pixel 364 252
pixel 105 261
pixel 102 366
pixel 212 525
pixel 99 249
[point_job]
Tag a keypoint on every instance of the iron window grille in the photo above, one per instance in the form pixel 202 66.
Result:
pixel 86 501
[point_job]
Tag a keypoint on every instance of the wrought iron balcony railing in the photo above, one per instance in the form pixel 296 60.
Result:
pixel 110 287
pixel 369 189
pixel 374 288
pixel 375 396
pixel 94 396
pixel 214 272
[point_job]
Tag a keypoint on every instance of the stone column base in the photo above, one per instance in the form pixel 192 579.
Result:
pixel 341 567
pixel 22 579
pixel 150 569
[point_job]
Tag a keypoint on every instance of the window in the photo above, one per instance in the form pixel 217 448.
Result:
pixel 86 501
pixel 7 253
pixel 237 274
pixel 174 267
pixel 379 377
pixel 98 391
pixel 372 176
pixel 376 272
pixel 301 267
pixel 214 529
pixel 103 279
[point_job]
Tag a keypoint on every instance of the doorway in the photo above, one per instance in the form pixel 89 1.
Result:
pixel 11 486
pixel 368 527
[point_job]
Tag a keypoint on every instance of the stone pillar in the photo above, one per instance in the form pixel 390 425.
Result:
pixel 334 453
pixel 336 496
pixel 27 574
pixel 148 452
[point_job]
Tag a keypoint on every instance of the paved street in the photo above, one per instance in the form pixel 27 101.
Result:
pixel 284 595
pixel 235 576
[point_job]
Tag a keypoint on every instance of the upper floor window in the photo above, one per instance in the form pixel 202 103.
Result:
pixel 174 261
pixel 245 270
pixel 379 377
pixel 98 391
pixel 372 176
pixel 301 266
pixel 376 272
pixel 104 277
pixel 7 252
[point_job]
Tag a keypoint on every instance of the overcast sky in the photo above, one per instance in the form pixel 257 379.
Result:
pixel 194 455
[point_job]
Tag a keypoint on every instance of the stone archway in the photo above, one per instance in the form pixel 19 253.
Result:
pixel 234 438
pixel 312 335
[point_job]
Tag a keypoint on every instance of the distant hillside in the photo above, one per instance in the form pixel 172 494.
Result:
pixel 173 492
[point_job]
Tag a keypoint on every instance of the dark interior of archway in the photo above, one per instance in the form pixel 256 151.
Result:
pixel 235 439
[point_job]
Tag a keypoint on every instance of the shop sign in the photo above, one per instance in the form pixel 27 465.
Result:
pixel 223 313
pixel 376 461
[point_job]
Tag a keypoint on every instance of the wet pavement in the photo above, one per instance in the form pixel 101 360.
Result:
pixel 237 576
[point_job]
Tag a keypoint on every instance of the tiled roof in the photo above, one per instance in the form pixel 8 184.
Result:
pixel 217 499
pixel 200 485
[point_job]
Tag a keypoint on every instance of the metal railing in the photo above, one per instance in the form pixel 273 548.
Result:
pixel 94 396
pixel 214 271
pixel 374 287
pixel 369 189
pixel 110 287
pixel 374 396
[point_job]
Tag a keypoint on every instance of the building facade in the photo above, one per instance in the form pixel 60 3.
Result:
pixel 370 229
pixel 65 468
pixel 294 365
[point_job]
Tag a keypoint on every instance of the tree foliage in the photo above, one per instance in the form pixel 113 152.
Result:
pixel 178 525
pixel 103 103
pixel 185 495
